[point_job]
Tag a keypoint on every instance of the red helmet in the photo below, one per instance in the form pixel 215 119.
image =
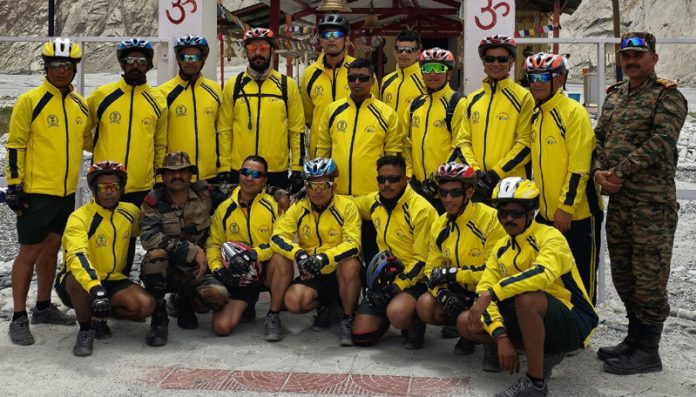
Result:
pixel 496 41
pixel 545 63
pixel 260 34
pixel 437 55
pixel 107 168
pixel 453 171
pixel 233 248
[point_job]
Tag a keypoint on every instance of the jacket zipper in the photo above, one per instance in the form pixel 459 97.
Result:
pixel 350 158
pixel 195 125
pixel 398 90
pixel 485 130
pixel 67 151
pixel 258 117
pixel 130 123
pixel 316 224
pixel 425 132
pixel 113 244
pixel 541 172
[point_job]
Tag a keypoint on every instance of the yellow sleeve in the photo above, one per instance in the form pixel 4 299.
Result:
pixel 375 86
pixel 216 237
pixel 76 252
pixel 414 271
pixel 283 239
pixel 350 246
pixel 458 122
pixel 264 250
pixel 296 126
pixel 307 104
pixel 522 139
pixel 161 136
pixel 324 135
pixel 224 139
pixel 93 105
pixel 580 142
pixel 407 145
pixel 490 318
pixel 464 140
pixel 226 119
pixel 394 141
pixel 363 204
pixel 494 233
pixel 435 258
pixel 20 129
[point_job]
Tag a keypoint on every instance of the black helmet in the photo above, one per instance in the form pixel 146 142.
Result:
pixel 334 21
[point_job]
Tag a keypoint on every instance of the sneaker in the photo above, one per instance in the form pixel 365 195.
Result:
pixel 84 342
pixel 415 337
pixel 187 320
pixel 157 335
pixel 19 332
pixel 272 330
pixel 322 320
pixel 101 329
pixel 51 315
pixel 490 359
pixel 550 361
pixel 464 347
pixel 347 331
pixel 524 388
pixel 449 332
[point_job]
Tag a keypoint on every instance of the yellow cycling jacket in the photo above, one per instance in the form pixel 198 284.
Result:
pixel 497 127
pixel 355 138
pixel 95 243
pixel 233 221
pixel 403 231
pixel 191 125
pixel 131 128
pixel 401 87
pixel 321 86
pixel 430 140
pixel 562 143
pixel 265 119
pixel 334 232
pixel 465 243
pixel 538 259
pixel 48 132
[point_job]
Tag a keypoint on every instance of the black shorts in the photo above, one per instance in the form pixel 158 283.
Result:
pixel 45 214
pixel 326 286
pixel 111 287
pixel 250 295
pixel 365 307
pixel 562 331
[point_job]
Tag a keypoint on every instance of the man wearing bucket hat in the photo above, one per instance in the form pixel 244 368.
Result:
pixel 175 222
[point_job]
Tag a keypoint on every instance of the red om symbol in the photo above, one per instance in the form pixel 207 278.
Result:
pixel 179 6
pixel 492 10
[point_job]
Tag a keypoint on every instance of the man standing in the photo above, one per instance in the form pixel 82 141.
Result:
pixel 174 223
pixel 48 131
pixel 194 102
pixel 496 130
pixel 130 120
pixel 635 162
pixel 402 86
pixel 562 142
pixel 262 110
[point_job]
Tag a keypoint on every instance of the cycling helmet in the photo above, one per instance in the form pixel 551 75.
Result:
pixel 334 21
pixel 132 45
pixel 496 41
pixel 319 167
pixel 437 55
pixel 516 190
pixel 192 41
pixel 456 172
pixel 61 48
pixel 260 34
pixel 546 63
pixel 231 249
pixel 382 270
pixel 107 168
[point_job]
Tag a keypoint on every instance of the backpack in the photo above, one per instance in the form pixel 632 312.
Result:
pixel 283 88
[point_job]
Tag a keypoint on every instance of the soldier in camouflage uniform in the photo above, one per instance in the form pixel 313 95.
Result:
pixel 175 220
pixel 635 162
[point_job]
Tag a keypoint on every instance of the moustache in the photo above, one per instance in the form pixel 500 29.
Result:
pixel 178 180
pixel 510 224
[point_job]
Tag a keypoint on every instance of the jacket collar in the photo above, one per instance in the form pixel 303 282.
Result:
pixel 406 197
pixel 346 60
pixel 53 89
pixel 366 102
pixel 409 70
pixel 445 91
pixel 125 87
pixel 553 101
pixel 238 189
pixel 500 84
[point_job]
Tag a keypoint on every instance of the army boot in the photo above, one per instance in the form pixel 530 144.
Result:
pixel 159 332
pixel 645 357
pixel 623 347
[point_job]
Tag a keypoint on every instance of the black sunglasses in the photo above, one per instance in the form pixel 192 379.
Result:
pixel 500 59
pixel 363 78
pixel 515 214
pixel 382 179
pixel 458 192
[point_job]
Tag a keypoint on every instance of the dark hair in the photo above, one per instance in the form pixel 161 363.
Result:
pixel 257 159
pixel 360 63
pixel 409 35
pixel 394 160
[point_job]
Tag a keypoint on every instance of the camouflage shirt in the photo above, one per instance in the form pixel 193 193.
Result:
pixel 176 230
pixel 638 132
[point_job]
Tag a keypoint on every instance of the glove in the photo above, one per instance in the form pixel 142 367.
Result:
pixel 308 264
pixel 226 278
pixel 431 187
pixel 381 297
pixel 452 302
pixel 296 181
pixel 101 307
pixel 220 178
pixel 443 275
pixel 239 264
pixel 16 199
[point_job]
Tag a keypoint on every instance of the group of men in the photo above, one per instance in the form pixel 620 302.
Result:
pixel 406 193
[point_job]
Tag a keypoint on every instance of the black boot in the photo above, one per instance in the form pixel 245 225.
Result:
pixel 625 346
pixel 159 331
pixel 645 357
pixel 186 318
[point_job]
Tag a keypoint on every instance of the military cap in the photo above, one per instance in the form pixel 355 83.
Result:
pixel 175 161
pixel 645 42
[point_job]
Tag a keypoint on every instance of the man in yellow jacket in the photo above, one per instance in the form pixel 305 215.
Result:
pixel 130 120
pixel 562 143
pixel 94 278
pixel 405 84
pixel 48 131
pixel 262 111
pixel 328 232
pixel 195 103
pixel 530 294
pixel 497 126
pixel 325 80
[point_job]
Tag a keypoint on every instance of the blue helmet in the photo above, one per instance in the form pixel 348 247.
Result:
pixel 382 270
pixel 192 41
pixel 132 45
pixel 319 167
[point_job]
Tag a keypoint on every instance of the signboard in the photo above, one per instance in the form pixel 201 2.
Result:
pixel 182 17
pixel 483 18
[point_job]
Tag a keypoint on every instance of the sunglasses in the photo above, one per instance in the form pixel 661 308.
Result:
pixel 329 35
pixel 458 192
pixel 136 60
pixel 65 65
pixel 319 185
pixel 539 77
pixel 500 59
pixel 382 179
pixel 190 58
pixel 407 49
pixel 434 68
pixel 255 47
pixel 634 42
pixel 105 187
pixel 515 214
pixel 363 78
pixel 254 174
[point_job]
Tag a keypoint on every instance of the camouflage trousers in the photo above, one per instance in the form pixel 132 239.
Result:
pixel 640 236
pixel 162 273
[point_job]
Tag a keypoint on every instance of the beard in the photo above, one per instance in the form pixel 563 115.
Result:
pixel 135 77
pixel 259 67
